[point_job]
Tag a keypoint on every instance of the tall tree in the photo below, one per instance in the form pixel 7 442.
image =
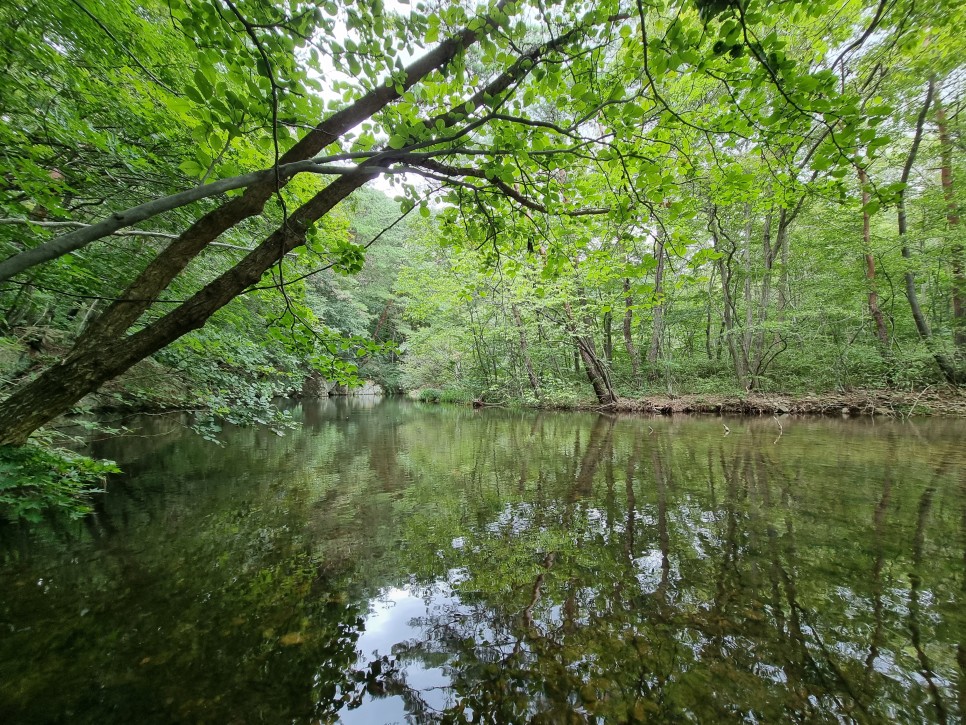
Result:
pixel 548 115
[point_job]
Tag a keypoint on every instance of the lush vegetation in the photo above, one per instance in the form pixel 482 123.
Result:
pixel 204 204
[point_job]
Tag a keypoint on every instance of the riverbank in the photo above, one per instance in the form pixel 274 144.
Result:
pixel 942 402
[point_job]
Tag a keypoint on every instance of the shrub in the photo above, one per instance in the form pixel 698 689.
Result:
pixel 455 395
pixel 35 480
pixel 430 395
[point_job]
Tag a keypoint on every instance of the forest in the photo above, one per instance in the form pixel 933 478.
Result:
pixel 209 204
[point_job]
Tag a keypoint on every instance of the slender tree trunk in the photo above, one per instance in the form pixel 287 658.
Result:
pixel 628 336
pixel 881 331
pixel 709 346
pixel 758 362
pixel 784 285
pixel 609 337
pixel 758 338
pixel 524 350
pixel 725 271
pixel 922 325
pixel 771 252
pixel 657 330
pixel 952 222
pixel 748 331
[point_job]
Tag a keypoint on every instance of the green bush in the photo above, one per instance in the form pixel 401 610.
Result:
pixel 429 395
pixel 455 395
pixel 35 480
pixel 449 395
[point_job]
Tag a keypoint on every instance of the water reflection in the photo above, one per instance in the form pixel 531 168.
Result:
pixel 434 564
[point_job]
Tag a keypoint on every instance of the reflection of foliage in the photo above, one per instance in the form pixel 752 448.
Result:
pixel 726 600
pixel 243 605
pixel 561 567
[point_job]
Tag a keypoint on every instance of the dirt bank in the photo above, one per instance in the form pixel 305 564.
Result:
pixel 892 403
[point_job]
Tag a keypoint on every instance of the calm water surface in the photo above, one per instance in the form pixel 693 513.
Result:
pixel 391 562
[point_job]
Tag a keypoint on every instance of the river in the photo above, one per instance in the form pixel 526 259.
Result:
pixel 397 562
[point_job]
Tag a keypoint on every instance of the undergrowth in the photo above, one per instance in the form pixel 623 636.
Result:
pixel 35 480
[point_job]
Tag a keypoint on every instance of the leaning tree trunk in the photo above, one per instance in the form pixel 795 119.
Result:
pixel 104 351
pixel 106 355
pixel 595 370
pixel 597 376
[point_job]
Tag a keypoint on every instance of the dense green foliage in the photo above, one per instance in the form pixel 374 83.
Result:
pixel 663 196
pixel 743 264
pixel 35 480
pixel 70 155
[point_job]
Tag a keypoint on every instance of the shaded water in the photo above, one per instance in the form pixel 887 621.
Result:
pixel 393 562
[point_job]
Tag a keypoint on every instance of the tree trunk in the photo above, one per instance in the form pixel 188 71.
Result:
pixel 107 355
pixel 654 350
pixel 595 370
pixel 759 355
pixel 103 351
pixel 784 285
pixel 724 269
pixel 524 351
pixel 747 334
pixel 628 337
pixel 952 222
pixel 881 331
pixel 609 337
pixel 479 343
pixel 922 325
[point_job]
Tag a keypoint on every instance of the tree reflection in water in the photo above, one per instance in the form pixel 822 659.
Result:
pixel 728 598
pixel 438 564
